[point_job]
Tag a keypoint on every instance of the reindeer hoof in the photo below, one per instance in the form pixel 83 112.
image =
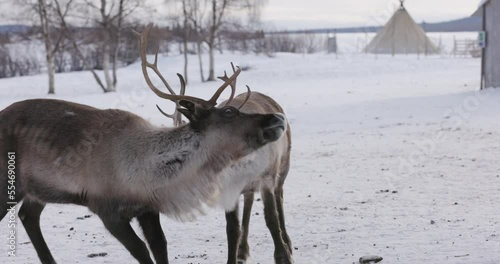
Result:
pixel 370 259
pixel 248 260
pixel 284 260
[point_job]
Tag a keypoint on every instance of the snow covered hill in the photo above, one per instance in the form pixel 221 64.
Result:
pixel 396 157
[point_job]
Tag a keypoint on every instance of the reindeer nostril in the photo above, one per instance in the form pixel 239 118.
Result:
pixel 278 120
pixel 280 116
pixel 273 128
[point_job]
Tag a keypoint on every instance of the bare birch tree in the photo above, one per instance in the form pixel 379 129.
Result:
pixel 185 37
pixel 220 10
pixel 109 19
pixel 49 49
pixel 206 29
pixel 196 16
pixel 76 49
pixel 194 13
pixel 51 38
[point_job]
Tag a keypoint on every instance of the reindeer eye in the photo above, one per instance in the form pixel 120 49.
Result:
pixel 229 111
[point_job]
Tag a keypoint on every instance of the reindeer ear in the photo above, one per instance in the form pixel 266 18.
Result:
pixel 187 114
pixel 188 109
pixel 187 104
pixel 191 111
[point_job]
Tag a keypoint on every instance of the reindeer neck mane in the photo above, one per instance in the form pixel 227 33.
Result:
pixel 186 169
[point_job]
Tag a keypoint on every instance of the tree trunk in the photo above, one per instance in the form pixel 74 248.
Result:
pixel 211 43
pixel 106 68
pixel 117 42
pixel 186 61
pixel 52 72
pixel 219 44
pixel 48 45
pixel 211 62
pixel 198 50
pixel 106 54
pixel 115 64
pixel 185 41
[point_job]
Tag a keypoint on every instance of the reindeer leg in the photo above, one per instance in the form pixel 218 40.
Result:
pixel 3 191
pixel 244 249
pixel 279 203
pixel 233 235
pixel 3 210
pixel 121 229
pixel 150 223
pixel 282 254
pixel 30 217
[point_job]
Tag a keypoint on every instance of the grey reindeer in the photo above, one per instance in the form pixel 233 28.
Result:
pixel 120 166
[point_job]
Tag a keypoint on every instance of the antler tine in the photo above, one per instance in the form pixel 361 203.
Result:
pixel 233 90
pixel 183 84
pixel 156 55
pixel 217 94
pixel 176 116
pixel 165 114
pixel 224 78
pixel 143 43
pixel 155 69
pixel 182 92
pixel 228 81
pixel 249 92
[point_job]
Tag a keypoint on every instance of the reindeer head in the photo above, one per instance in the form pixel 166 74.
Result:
pixel 232 127
pixel 226 126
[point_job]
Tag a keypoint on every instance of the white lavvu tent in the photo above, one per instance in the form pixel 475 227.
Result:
pixel 401 35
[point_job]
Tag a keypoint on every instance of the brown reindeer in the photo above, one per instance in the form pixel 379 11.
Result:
pixel 264 170
pixel 120 166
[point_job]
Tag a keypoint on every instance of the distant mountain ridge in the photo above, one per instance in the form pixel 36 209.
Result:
pixel 13 28
pixel 459 25
pixel 467 24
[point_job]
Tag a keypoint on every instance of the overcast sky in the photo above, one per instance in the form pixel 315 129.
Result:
pixel 303 14
pixel 298 14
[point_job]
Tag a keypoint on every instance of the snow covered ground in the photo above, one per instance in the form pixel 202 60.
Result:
pixel 396 157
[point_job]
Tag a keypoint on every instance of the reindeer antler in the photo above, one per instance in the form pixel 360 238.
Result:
pixel 249 92
pixel 233 86
pixel 225 78
pixel 143 43
pixel 176 116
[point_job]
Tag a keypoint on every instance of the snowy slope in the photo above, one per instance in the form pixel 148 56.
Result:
pixel 396 157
